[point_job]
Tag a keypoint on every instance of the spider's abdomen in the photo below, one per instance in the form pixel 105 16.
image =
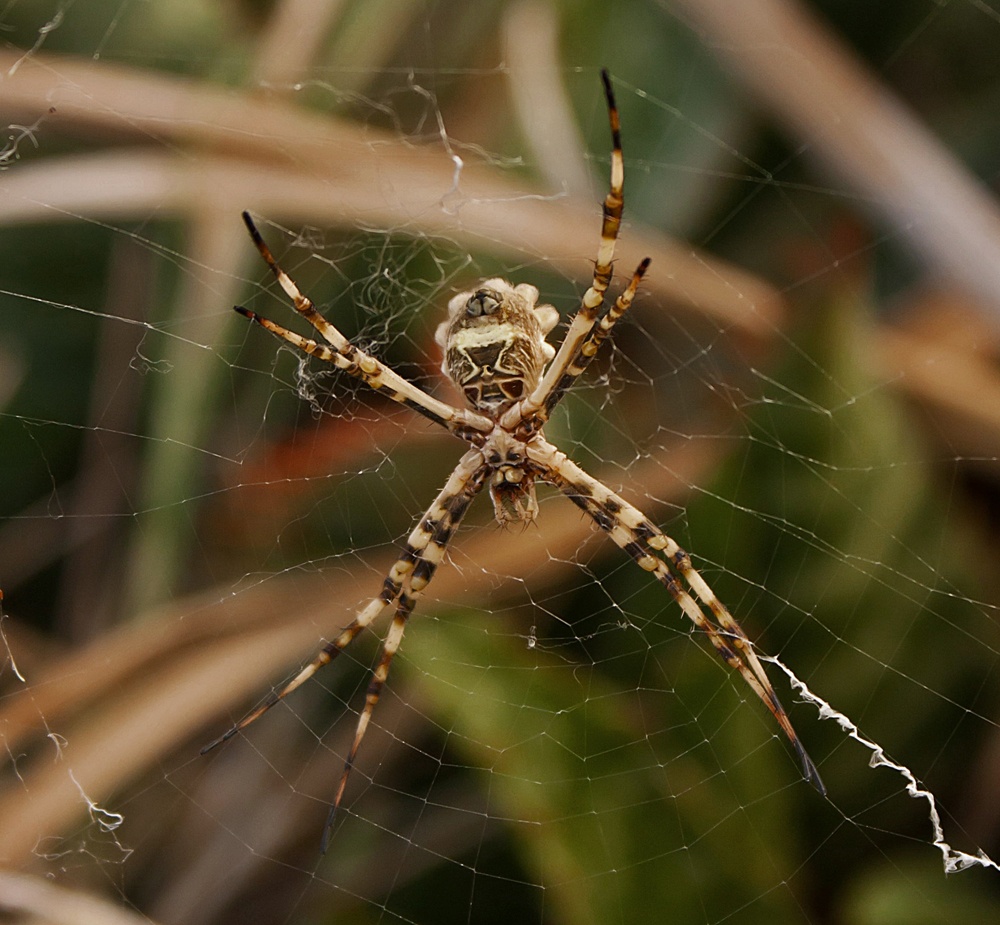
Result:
pixel 494 343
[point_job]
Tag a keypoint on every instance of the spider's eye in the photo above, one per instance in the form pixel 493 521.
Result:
pixel 482 302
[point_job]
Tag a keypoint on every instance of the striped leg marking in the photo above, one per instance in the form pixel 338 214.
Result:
pixel 406 580
pixel 353 360
pixel 426 546
pixel 537 406
pixel 588 349
pixel 655 552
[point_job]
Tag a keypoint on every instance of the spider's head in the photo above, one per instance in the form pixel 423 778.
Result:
pixel 512 492
pixel 483 302
pixel 512 484
pixel 494 343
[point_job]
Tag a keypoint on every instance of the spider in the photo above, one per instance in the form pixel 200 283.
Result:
pixel 495 352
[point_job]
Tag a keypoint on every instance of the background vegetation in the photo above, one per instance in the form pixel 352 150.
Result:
pixel 806 398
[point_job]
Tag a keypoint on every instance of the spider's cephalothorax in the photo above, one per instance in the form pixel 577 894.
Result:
pixel 494 343
pixel 495 352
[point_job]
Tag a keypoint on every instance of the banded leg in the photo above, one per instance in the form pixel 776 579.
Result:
pixel 590 346
pixel 540 403
pixel 638 536
pixel 351 359
pixel 434 531
pixel 406 580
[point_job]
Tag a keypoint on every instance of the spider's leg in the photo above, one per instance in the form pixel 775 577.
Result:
pixel 426 546
pixel 419 542
pixel 565 366
pixel 353 360
pixel 645 543
pixel 590 346
pixel 390 590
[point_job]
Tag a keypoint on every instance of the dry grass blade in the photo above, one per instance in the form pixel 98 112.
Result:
pixel 864 133
pixel 32 899
pixel 540 99
pixel 294 35
pixel 300 167
pixel 942 353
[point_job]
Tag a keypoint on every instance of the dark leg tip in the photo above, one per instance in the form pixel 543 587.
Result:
pixel 215 743
pixel 254 233
pixel 609 92
pixel 809 770
pixel 328 829
pixel 219 741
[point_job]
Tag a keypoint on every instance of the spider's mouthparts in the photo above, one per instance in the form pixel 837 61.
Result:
pixel 512 490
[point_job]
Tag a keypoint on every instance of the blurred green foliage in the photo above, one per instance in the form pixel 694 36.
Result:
pixel 627 774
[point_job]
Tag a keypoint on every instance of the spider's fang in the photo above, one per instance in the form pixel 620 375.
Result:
pixel 512 491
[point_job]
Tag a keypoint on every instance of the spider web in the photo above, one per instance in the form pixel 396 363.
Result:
pixel 802 396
